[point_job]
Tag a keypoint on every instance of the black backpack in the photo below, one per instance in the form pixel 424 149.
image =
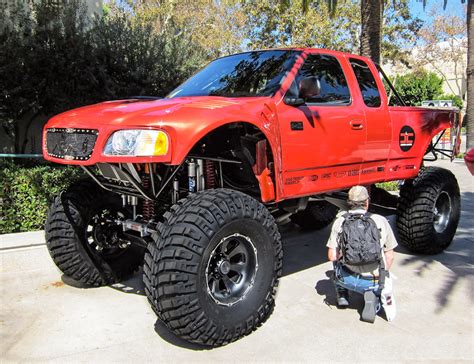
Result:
pixel 360 242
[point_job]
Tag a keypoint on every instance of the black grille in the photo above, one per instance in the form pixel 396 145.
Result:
pixel 71 144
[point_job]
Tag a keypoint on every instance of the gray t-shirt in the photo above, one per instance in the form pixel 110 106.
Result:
pixel 387 239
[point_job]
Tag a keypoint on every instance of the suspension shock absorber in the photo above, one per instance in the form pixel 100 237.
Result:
pixel 148 207
pixel 191 176
pixel 209 174
pixel 175 192
pixel 200 179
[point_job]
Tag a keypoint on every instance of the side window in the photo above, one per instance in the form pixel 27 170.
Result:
pixel 334 89
pixel 367 84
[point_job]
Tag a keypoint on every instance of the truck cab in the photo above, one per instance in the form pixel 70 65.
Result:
pixel 345 131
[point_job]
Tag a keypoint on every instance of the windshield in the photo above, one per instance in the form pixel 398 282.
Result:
pixel 247 74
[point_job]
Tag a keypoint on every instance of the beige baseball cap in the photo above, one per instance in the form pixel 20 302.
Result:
pixel 358 194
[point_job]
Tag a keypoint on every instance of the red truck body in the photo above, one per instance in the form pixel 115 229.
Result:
pixel 193 187
pixel 339 146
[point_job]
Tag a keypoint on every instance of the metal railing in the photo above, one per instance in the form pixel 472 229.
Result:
pixel 3 155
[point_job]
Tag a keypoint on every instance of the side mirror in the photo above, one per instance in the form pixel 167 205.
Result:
pixel 309 87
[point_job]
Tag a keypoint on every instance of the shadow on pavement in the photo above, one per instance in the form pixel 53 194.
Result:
pixel 458 257
pixel 133 285
pixel 303 249
pixel 73 283
pixel 325 287
pixel 168 336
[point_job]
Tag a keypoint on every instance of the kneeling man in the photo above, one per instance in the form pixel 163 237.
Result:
pixel 361 246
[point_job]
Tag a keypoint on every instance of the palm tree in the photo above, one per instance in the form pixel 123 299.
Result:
pixel 371 12
pixel 371 15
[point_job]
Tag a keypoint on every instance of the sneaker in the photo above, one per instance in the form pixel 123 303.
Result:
pixel 368 314
pixel 342 298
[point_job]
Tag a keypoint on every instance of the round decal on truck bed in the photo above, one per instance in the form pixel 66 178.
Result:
pixel 407 138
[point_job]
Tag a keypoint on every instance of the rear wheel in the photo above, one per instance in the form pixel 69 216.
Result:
pixel 84 240
pixel 212 273
pixel 428 211
pixel 317 215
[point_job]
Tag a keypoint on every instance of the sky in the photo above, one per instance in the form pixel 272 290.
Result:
pixel 454 7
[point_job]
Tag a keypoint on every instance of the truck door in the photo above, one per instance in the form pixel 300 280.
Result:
pixel 377 120
pixel 322 141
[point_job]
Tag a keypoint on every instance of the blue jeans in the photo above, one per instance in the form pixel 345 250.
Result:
pixel 353 281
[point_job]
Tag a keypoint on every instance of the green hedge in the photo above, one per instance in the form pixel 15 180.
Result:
pixel 26 193
pixel 388 186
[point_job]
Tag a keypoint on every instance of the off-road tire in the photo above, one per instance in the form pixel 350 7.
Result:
pixel 316 216
pixel 67 243
pixel 416 217
pixel 175 266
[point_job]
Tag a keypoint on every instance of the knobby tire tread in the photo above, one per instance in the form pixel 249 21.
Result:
pixel 172 261
pixel 415 210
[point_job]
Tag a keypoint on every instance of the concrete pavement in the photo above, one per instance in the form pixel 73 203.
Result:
pixel 42 319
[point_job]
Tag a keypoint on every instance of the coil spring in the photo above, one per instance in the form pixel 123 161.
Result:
pixel 148 207
pixel 210 174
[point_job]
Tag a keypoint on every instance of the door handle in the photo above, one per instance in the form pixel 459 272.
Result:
pixel 357 124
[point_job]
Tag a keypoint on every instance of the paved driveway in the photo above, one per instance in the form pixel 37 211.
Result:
pixel 42 319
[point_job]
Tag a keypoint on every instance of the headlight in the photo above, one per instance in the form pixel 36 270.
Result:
pixel 137 143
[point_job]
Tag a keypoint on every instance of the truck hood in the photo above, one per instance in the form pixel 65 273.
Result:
pixel 149 113
pixel 185 120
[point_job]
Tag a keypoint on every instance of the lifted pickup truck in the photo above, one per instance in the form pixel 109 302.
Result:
pixel 193 185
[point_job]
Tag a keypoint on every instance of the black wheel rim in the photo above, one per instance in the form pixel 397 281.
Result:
pixel 231 269
pixel 103 234
pixel 442 212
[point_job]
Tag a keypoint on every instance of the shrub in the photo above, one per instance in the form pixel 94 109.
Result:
pixel 26 193
pixel 418 86
pixel 54 58
pixel 388 186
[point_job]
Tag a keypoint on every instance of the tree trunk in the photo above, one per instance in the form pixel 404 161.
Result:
pixel 371 33
pixel 470 75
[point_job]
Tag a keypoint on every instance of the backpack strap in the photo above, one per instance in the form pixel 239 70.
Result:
pixel 341 239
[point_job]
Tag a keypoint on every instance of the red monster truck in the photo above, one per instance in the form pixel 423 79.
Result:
pixel 194 185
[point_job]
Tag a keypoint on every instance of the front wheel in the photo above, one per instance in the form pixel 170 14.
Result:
pixel 212 272
pixel 428 211
pixel 84 240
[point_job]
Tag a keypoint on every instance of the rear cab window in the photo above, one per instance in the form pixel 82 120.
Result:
pixel 334 87
pixel 367 84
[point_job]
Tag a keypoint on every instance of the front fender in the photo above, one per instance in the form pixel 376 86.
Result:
pixel 185 137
